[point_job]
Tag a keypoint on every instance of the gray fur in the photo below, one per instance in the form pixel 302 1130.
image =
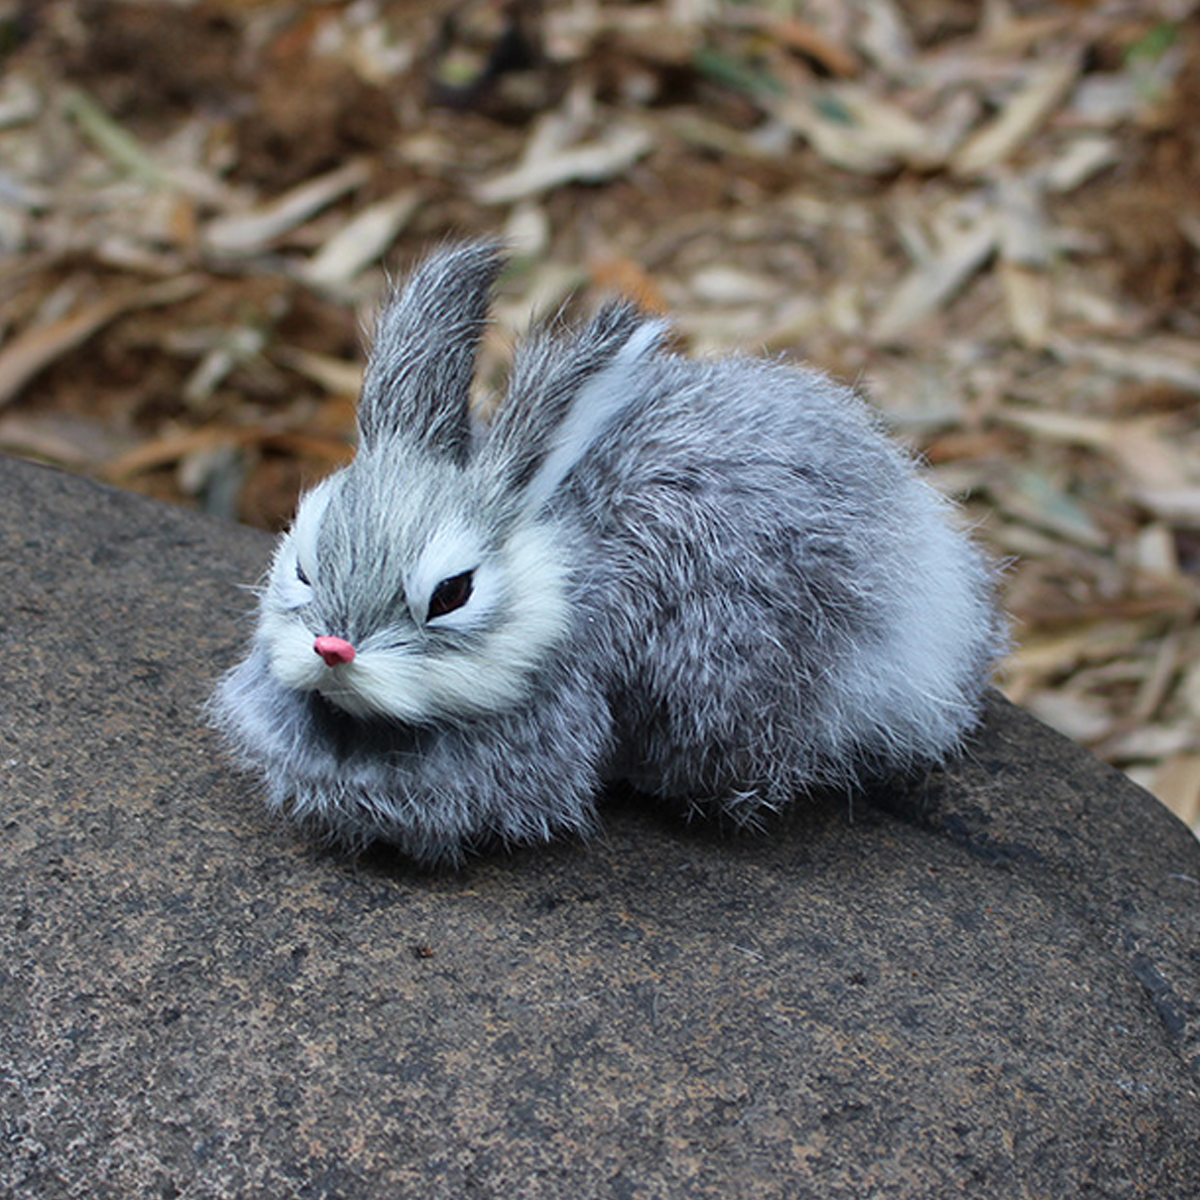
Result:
pixel 718 581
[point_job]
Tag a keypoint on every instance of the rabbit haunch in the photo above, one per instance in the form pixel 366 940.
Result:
pixel 716 580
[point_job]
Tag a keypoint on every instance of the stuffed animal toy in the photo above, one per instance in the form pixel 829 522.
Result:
pixel 719 582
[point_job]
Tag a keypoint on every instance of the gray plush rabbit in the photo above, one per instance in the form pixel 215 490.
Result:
pixel 717 581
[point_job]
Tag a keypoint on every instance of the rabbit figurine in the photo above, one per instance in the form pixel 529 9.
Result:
pixel 717 581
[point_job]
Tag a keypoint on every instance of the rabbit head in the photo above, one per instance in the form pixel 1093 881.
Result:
pixel 427 581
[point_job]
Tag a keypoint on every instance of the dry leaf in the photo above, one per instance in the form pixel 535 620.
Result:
pixel 805 38
pixel 1179 507
pixel 626 277
pixel 1044 88
pixel 930 284
pixel 1080 160
pixel 614 152
pixel 1078 429
pixel 35 349
pixel 1049 655
pixel 333 374
pixel 361 241
pixel 1170 360
pixel 1177 784
pixel 851 127
pixel 1078 717
pixel 251 232
pixel 1031 495
pixel 1028 297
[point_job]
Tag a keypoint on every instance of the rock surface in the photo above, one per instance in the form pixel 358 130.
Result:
pixel 983 986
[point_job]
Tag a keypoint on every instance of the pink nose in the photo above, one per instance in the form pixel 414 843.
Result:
pixel 334 650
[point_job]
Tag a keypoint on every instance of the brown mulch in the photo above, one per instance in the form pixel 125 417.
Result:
pixel 990 222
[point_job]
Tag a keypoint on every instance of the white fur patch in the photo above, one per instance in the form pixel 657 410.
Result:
pixel 290 653
pixel 306 527
pixel 451 551
pixel 297 551
pixel 290 590
pixel 913 681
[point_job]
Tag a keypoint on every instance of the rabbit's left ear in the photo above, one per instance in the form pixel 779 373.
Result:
pixel 563 394
pixel 418 378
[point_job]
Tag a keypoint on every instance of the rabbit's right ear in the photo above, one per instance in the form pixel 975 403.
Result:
pixel 418 378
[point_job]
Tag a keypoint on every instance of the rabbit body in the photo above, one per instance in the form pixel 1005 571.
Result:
pixel 718 581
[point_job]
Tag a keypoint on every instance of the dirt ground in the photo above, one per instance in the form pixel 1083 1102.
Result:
pixel 985 215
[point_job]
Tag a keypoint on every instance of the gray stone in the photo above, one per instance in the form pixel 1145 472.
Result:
pixel 981 985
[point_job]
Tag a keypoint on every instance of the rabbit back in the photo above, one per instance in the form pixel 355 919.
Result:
pixel 791 604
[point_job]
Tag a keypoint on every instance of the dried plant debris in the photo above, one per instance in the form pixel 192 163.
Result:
pixel 988 215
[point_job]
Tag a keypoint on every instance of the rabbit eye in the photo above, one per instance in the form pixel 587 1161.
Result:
pixel 300 575
pixel 450 594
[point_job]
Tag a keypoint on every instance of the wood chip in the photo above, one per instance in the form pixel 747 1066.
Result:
pixel 885 38
pixel 1177 785
pixel 1189 224
pixel 806 39
pixel 1179 506
pixel 930 284
pixel 852 127
pixel 724 284
pixel 1078 717
pixel 35 349
pixel 1156 553
pixel 1044 88
pixel 1150 741
pixel 1150 456
pixel 21 101
pixel 361 241
pixel 1024 240
pixel 68 439
pixel 184 446
pixel 1165 360
pixel 123 150
pixel 335 375
pixel 1049 655
pixel 1028 301
pixel 1080 160
pixel 248 233
pixel 613 152
pixel 171 449
pixel 527 230
pixel 1079 429
pixel 1035 498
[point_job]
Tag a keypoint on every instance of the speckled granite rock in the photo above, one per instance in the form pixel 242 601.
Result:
pixel 987 987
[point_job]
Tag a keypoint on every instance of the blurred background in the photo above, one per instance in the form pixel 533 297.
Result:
pixel 984 215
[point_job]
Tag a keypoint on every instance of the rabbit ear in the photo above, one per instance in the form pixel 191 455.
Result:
pixel 562 395
pixel 418 379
